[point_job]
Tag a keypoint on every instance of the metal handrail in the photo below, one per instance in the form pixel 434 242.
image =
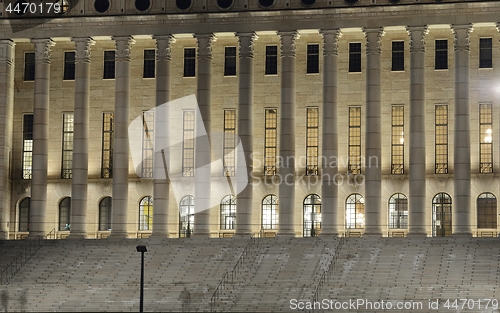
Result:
pixel 254 241
pixel 22 258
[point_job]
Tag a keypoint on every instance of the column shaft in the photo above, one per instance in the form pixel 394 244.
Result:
pixel 38 205
pixel 287 135
pixel 461 146
pixel 6 124
pixel 121 142
pixel 161 182
pixel 373 137
pixel 329 188
pixel 417 205
pixel 80 170
pixel 245 133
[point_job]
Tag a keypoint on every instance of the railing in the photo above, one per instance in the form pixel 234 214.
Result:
pixel 327 273
pixel 229 277
pixel 25 255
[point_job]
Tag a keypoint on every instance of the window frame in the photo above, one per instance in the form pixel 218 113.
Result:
pixel 149 64
pixel 29 67
pixel 485 145
pixel 148 127
pixel 355 57
pixel 485 53
pixel 146 210
pixel 27 149
pixel 311 224
pixel 354 167
pixel 107 145
pixel 270 212
pixel 69 68
pixel 229 144
pixel 398 56
pixel 270 141
pixel 65 214
pixel 230 61
pixel 228 208
pixel 441 167
pixel 441 61
pixel 353 200
pixel 312 141
pixel 312 59
pixel 271 61
pixel 105 213
pixel 189 64
pixel 398 217
pixel 109 64
pixel 188 152
pixel 486 220
pixel 397 147
pixel 67 145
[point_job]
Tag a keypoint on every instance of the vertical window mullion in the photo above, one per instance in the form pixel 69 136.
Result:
pixel 147 144
pixel 398 56
pixel 109 64
pixel 485 138
pixel 27 145
pixel 354 153
pixel 189 62
pixel 69 65
pixel 149 63
pixel 312 125
pixel 354 57
pixel 230 61
pixel 441 55
pixel 229 142
pixel 485 53
pixel 397 140
pixel 271 60
pixel 107 145
pixel 312 59
pixel 441 139
pixel 67 145
pixel 188 144
pixel 29 66
pixel 271 120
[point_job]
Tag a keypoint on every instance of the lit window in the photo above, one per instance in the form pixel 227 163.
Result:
pixel 354 166
pixel 354 57
pixel 441 215
pixel 189 62
pixel 486 138
pixel 441 139
pixel 69 65
pixel 67 146
pixel 270 212
pixel 485 53
pixel 65 214
pixel 398 56
pixel 397 140
pixel 146 213
pixel 229 142
pixel 149 64
pixel 271 60
pixel 487 210
pixel 29 66
pixel 27 146
pixel 312 141
pixel 147 144
pixel 107 145
pixel 312 216
pixel 270 141
pixel 188 144
pixel 186 216
pixel 230 61
pixel 398 211
pixel 109 64
pixel 441 56
pixel 355 211
pixel 228 212
pixel 105 213
pixel 312 59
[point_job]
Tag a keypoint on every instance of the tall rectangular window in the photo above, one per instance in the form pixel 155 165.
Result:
pixel 441 139
pixel 188 143
pixel 271 60
pixel 67 146
pixel 27 145
pixel 107 145
pixel 189 62
pixel 312 141
pixel 229 142
pixel 398 56
pixel 29 66
pixel 149 63
pixel 69 65
pixel 312 58
pixel 485 53
pixel 441 55
pixel 148 118
pixel 397 140
pixel 109 64
pixel 354 165
pixel 230 61
pixel 270 143
pixel 354 57
pixel 486 138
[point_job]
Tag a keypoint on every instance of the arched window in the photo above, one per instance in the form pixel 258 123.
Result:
pixel 486 210
pixel 24 214
pixel 186 218
pixel 65 214
pixel 105 214
pixel 312 215
pixel 146 213
pixel 355 211
pixel 270 212
pixel 228 212
pixel 398 211
pixel 441 215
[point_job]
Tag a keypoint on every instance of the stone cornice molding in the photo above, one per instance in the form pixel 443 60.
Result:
pixel 83 46
pixel 123 46
pixel 205 44
pixel 42 49
pixel 462 36
pixel 417 37
pixel 164 47
pixel 6 51
pixel 287 40
pixel 246 44
pixel 373 39
pixel 330 41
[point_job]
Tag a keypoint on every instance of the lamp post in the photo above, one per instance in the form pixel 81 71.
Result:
pixel 142 249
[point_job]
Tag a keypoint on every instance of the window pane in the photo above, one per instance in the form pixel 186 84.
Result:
pixel 69 65
pixel 354 57
pixel 271 60
pixel 149 63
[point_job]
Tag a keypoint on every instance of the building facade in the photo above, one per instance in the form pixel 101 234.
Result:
pixel 369 117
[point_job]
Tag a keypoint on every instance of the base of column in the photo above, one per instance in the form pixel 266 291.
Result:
pixel 159 235
pixel 464 234
pixel 79 236
pixel 417 235
pixel 286 234
pixel 328 234
pixel 120 235
pixel 198 235
pixel 372 234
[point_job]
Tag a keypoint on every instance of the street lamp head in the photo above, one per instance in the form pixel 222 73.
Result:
pixel 141 249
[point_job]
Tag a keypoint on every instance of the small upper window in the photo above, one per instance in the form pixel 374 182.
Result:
pixel 271 60
pixel 142 5
pixel 225 4
pixel 149 63
pixel 29 66
pixel 183 4
pixel 189 62
pixel 312 59
pixel 441 57
pixel 355 57
pixel 69 65
pixel 109 64
pixel 485 53
pixel 398 56
pixel 102 6
pixel 266 3
pixel 230 61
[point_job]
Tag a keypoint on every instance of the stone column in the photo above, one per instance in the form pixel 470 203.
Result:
pixel 329 188
pixel 461 145
pixel 6 114
pixel 81 138
pixel 161 182
pixel 121 143
pixel 203 154
pixel 287 135
pixel 417 202
pixel 38 204
pixel 245 132
pixel 373 135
